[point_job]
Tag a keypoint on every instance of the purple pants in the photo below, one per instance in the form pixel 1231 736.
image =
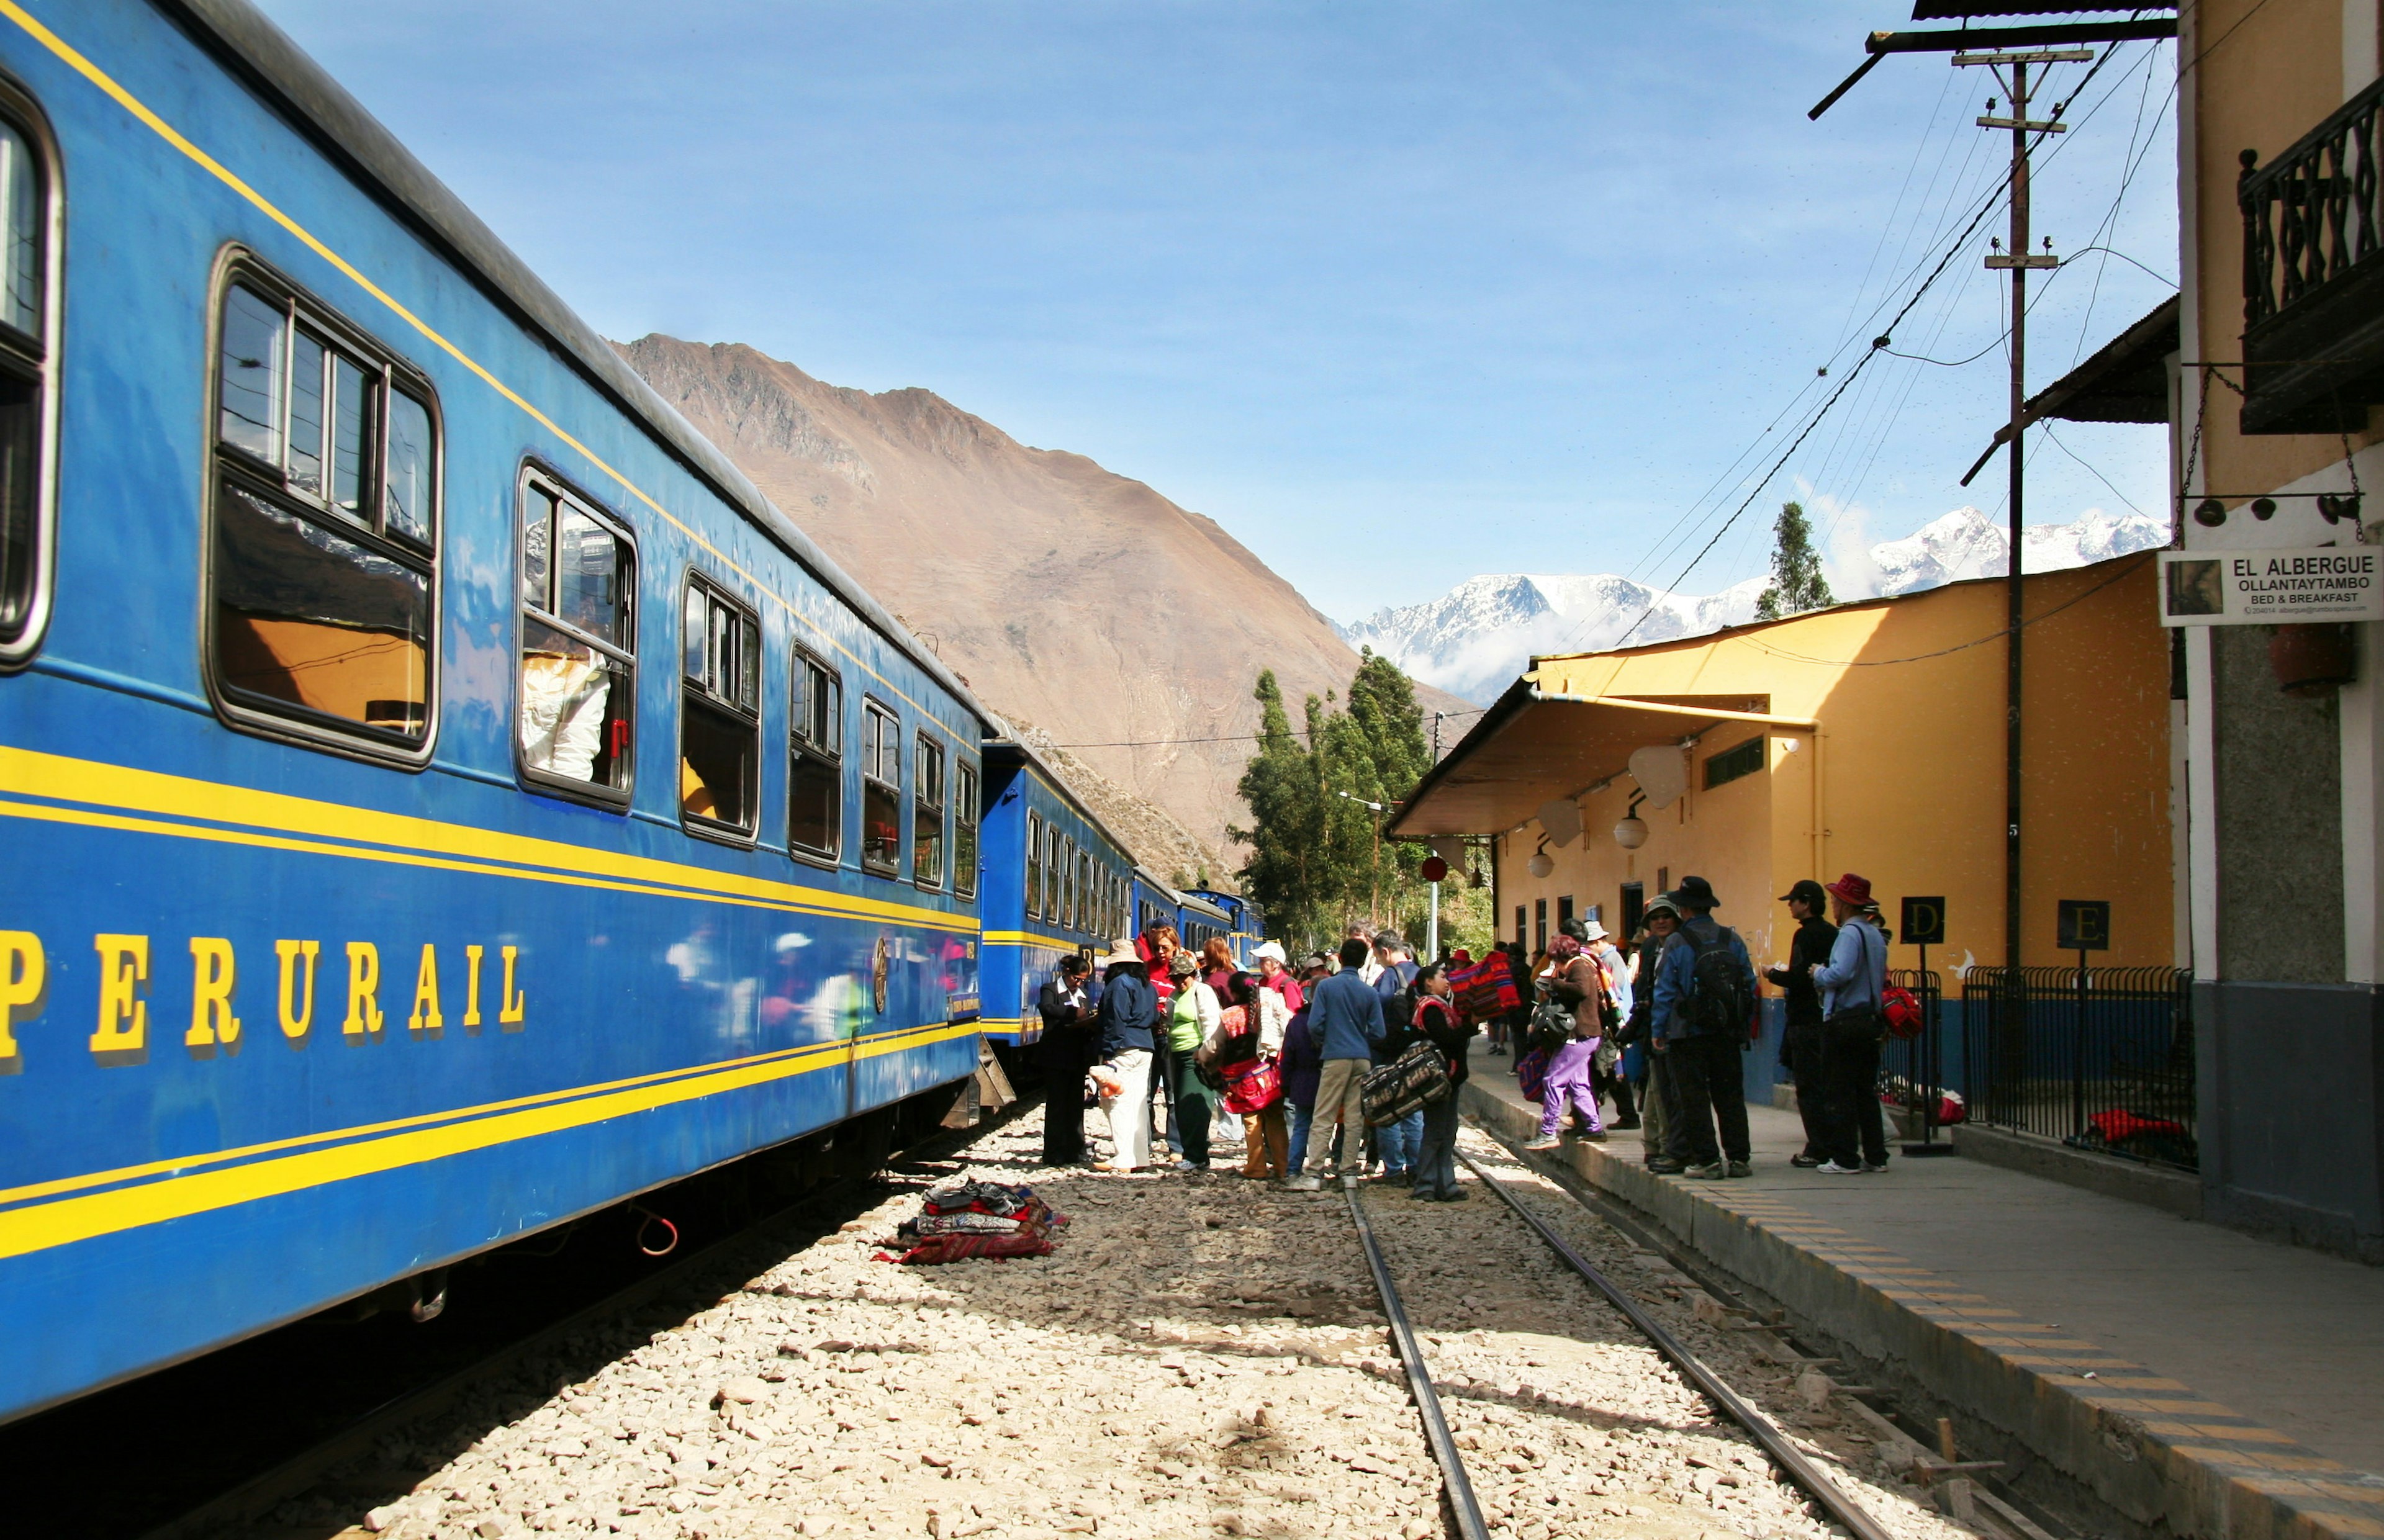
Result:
pixel 1569 1080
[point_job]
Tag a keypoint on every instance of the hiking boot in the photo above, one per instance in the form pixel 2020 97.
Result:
pixel 1873 1168
pixel 1741 1168
pixel 1302 1184
pixel 1594 1136
pixel 1711 1171
pixel 1549 1142
pixel 1663 1165
pixel 1831 1168
pixel 1805 1162
pixel 1623 1125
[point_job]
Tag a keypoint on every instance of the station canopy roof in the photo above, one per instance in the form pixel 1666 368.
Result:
pixel 1534 748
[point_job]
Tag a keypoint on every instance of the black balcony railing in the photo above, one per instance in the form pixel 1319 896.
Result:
pixel 2101 1058
pixel 2313 279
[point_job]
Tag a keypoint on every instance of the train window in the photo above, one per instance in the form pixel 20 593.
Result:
pixel 928 813
pixel 1052 873
pixel 578 663
pixel 326 520
pixel 1033 865
pixel 1068 889
pixel 965 814
pixel 28 404
pixel 881 789
pixel 815 759
pixel 1085 917
pixel 720 712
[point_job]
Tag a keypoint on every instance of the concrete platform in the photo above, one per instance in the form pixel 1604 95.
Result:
pixel 2192 1375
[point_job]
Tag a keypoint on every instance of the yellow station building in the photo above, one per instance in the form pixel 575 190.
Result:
pixel 1867 738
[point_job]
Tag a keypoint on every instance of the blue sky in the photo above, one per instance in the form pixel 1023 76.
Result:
pixel 1397 293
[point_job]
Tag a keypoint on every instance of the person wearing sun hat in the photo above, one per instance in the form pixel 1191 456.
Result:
pixel 1852 984
pixel 1129 1010
pixel 1275 972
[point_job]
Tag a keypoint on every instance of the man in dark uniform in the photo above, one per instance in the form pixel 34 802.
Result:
pixel 1071 1036
pixel 1800 1044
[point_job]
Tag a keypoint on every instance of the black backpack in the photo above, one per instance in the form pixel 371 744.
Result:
pixel 1718 999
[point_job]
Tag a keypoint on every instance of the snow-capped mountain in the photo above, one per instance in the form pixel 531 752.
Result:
pixel 1475 639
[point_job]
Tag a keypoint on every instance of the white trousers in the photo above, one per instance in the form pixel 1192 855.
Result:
pixel 1129 1110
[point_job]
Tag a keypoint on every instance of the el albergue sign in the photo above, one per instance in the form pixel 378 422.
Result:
pixel 2269 588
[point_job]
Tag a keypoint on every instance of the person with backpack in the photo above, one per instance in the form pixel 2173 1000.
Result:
pixel 1854 987
pixel 1400 1143
pixel 1578 985
pixel 1607 1076
pixel 1346 1017
pixel 1704 1018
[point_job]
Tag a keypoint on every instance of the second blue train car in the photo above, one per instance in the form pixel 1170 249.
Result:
pixel 1059 881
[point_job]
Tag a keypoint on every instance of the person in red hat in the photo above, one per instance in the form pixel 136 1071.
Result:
pixel 1853 1135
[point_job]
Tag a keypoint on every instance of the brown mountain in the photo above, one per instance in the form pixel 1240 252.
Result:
pixel 1127 630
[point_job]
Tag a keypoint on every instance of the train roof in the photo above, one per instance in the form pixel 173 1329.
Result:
pixel 1005 742
pixel 1194 901
pixel 1150 878
pixel 320 106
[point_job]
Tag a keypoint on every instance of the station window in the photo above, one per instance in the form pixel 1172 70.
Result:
pixel 27 400
pixel 1734 763
pixel 881 789
pixel 928 813
pixel 579 673
pixel 1033 866
pixel 965 814
pixel 815 759
pixel 720 712
pixel 326 526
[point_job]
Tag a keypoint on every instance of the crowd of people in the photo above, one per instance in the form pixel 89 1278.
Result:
pixel 1182 1050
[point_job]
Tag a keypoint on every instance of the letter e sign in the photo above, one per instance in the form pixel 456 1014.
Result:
pixel 2085 925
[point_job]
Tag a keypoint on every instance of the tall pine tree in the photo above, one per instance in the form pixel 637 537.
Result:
pixel 1797 581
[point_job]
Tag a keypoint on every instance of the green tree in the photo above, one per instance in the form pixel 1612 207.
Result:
pixel 1797 581
pixel 1315 860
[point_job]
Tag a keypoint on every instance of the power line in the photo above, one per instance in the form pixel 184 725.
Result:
pixel 1230 738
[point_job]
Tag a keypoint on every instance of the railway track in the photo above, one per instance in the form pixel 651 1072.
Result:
pixel 1972 1502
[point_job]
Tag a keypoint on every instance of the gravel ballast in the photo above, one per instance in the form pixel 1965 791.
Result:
pixel 1202 1355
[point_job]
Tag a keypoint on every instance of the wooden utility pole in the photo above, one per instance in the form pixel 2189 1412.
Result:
pixel 2019 259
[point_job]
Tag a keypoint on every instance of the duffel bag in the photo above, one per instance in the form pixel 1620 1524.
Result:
pixel 1418 1076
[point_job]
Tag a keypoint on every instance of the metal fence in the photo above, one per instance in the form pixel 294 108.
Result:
pixel 2101 1058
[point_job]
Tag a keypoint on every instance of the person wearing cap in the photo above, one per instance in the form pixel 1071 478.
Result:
pixel 1129 1012
pixel 1702 1030
pixel 1191 1016
pixel 1606 1068
pixel 1800 1044
pixel 1657 1104
pixel 1275 972
pixel 1852 985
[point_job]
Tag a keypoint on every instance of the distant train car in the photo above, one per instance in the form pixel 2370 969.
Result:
pixel 1057 881
pixel 1246 928
pixel 443 796
pixel 1199 921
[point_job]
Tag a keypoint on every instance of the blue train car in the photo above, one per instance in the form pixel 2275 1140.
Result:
pixel 1245 926
pixel 1059 882
pixel 1199 921
pixel 443 796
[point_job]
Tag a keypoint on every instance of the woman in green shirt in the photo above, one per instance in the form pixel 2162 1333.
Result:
pixel 1190 1016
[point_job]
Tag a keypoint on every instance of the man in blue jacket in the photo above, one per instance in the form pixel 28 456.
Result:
pixel 1700 1022
pixel 1344 1015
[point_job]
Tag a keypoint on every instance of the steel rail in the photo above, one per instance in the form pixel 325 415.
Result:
pixel 1785 1454
pixel 1454 1481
